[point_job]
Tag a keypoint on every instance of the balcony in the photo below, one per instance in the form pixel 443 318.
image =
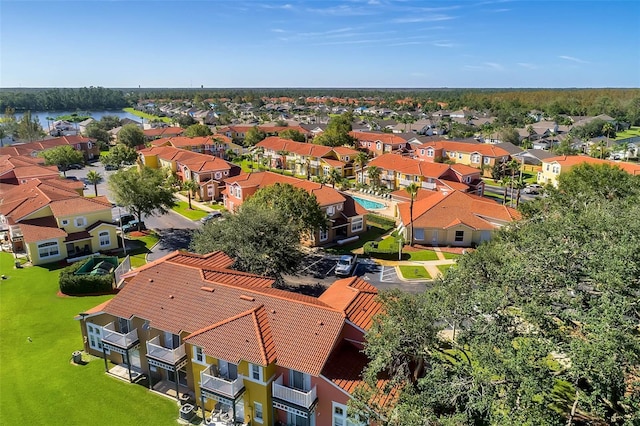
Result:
pixel 221 386
pixel 429 185
pixel 407 182
pixel 121 340
pixel 166 355
pixel 294 396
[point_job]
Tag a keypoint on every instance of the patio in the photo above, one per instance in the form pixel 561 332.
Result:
pixel 121 372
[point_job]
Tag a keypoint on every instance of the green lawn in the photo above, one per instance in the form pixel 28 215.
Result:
pixel 414 272
pixel 139 254
pixel 147 116
pixel 182 208
pixel 421 255
pixel 633 131
pixel 372 234
pixel 39 384
pixel 450 255
pixel 444 268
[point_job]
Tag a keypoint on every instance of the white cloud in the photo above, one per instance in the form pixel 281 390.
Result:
pixel 278 6
pixel 527 65
pixel 277 30
pixel 495 66
pixel 444 43
pixel 413 19
pixel 573 59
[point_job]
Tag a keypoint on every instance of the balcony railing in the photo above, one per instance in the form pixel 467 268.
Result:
pixel 429 185
pixel 406 182
pixel 220 385
pixel 170 356
pixel 121 340
pixel 294 396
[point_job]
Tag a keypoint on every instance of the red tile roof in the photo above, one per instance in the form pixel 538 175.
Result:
pixel 45 228
pixel 444 210
pixel 486 150
pixel 386 138
pixel 572 160
pixel 172 298
pixel 409 166
pixel 356 298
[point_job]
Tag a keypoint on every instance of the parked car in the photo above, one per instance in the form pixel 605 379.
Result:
pixel 124 219
pixel 72 178
pixel 346 265
pixel 133 226
pixel 213 215
pixel 75 166
pixel 532 189
pixel 111 167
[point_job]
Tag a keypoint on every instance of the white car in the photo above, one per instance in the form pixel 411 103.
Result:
pixel 346 265
pixel 532 189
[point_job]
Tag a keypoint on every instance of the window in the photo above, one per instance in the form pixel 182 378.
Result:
pixel 475 158
pixel 65 222
pixel 210 190
pixel 487 160
pixel 340 416
pixel 459 155
pixel 218 175
pixel 467 179
pixel 105 239
pixel 94 335
pixel 324 234
pixel 80 221
pixel 378 145
pixel 48 249
pixel 418 234
pixel 422 152
pixel 257 412
pixel 198 355
pixel 556 169
pixel 256 372
pixel 459 236
pixel 89 145
pixel 331 210
pixel 346 158
pixel 356 224
pixel 430 152
pixel 548 166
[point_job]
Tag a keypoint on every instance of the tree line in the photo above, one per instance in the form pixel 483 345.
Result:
pixel 84 99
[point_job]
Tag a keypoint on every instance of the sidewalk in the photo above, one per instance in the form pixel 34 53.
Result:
pixel 194 203
pixel 430 265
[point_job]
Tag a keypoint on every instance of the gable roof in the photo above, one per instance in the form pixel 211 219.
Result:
pixel 409 166
pixel 486 150
pixel 572 160
pixel 356 298
pixel 445 210
pixel 177 298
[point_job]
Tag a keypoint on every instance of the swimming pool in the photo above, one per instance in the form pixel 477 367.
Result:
pixel 368 204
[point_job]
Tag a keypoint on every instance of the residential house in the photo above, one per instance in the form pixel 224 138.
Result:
pixel 51 222
pixel 398 172
pixel 261 355
pixel 88 147
pixel 481 156
pixel 346 218
pixel 453 218
pixel 208 171
pixel 21 169
pixel 305 158
pixel 553 167
pixel 216 145
pixel 238 132
pixel 162 132
pixel 379 143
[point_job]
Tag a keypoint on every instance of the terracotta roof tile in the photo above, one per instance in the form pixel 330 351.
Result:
pixel 45 228
pixel 170 296
pixel 409 166
pixel 356 298
pixel 572 160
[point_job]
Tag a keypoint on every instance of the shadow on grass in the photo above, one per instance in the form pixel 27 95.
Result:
pixel 372 234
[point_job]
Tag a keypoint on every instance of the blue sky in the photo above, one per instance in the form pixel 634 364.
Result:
pixel 328 43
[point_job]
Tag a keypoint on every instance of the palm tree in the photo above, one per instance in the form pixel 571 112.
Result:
pixel 505 182
pixel 412 190
pixel 190 186
pixel 607 128
pixel 374 173
pixel 94 178
pixel 334 176
pixel 518 185
pixel 360 159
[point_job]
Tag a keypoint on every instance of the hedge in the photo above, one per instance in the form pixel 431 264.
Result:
pixel 84 284
pixel 381 221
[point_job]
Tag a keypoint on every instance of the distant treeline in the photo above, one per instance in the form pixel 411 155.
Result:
pixel 622 104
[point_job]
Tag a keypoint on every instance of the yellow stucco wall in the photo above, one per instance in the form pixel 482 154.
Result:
pixel 43 212
pixel 32 251
pixel 546 175
pixel 90 218
pixel 151 161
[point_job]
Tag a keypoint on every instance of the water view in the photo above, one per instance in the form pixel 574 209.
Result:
pixel 96 115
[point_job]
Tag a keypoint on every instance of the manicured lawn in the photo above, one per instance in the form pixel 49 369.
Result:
pixel 139 254
pixel 371 234
pixel 414 272
pixel 182 208
pixel 40 386
pixel 444 268
pixel 421 255
pixel 450 255
pixel 147 116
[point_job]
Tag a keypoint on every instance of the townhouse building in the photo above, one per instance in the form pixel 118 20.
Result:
pixel 88 147
pixel 49 221
pixel 346 218
pixel 305 158
pixel 258 354
pixel 398 172
pixel 377 143
pixel 553 167
pixel 217 145
pixel 481 156
pixel 206 170
pixel 21 169
pixel 238 132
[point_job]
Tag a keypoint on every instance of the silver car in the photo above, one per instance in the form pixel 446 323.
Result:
pixel 346 265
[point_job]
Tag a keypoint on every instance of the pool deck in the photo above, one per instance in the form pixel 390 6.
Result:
pixel 389 209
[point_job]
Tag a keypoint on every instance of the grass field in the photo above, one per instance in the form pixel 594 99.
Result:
pixel 444 268
pixel 412 272
pixel 40 386
pixel 633 131
pixel 147 116
pixel 139 254
pixel 182 207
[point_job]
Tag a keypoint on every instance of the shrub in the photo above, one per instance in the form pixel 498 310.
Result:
pixel 383 222
pixel 84 284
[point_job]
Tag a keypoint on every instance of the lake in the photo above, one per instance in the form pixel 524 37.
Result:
pixel 96 115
